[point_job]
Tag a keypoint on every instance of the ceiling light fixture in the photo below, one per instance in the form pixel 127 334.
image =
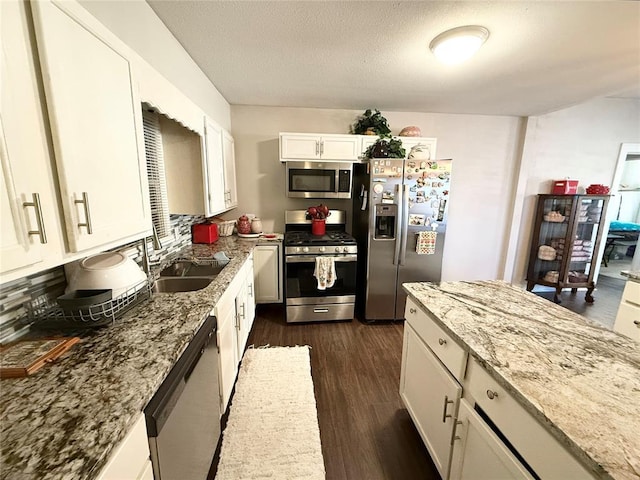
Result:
pixel 458 44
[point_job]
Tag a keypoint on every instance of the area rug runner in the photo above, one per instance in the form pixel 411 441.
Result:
pixel 272 431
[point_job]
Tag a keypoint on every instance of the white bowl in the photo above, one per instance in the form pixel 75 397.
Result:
pixel 112 270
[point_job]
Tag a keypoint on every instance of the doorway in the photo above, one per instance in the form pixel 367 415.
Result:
pixel 621 250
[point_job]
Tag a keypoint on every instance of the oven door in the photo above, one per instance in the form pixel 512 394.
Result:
pixel 306 303
pixel 319 179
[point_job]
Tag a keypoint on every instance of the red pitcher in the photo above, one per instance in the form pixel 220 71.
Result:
pixel 318 226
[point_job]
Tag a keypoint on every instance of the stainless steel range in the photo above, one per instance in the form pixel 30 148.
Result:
pixel 306 300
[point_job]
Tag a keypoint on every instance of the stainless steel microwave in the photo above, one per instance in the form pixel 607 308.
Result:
pixel 319 179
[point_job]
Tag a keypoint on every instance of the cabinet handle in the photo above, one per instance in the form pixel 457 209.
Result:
pixel 39 220
pixel 442 341
pixel 455 432
pixel 87 212
pixel 250 289
pixel 412 310
pixel 321 148
pixel 491 394
pixel 317 148
pixel 320 310
pixel 444 409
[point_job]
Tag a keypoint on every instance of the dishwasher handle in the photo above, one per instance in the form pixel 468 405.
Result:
pixel 166 397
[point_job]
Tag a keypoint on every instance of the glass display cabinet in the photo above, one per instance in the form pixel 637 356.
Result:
pixel 566 237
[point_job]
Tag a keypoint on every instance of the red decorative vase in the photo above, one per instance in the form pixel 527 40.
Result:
pixel 318 226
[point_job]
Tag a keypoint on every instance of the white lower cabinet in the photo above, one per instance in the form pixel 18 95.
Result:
pixel 431 396
pixel 130 459
pixel 268 273
pixel 235 312
pixel 436 370
pixel 478 453
pixel 628 317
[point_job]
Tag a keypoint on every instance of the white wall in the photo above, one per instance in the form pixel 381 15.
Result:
pixel 137 25
pixel 484 150
pixel 581 142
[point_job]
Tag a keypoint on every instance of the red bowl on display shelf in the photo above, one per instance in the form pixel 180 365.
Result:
pixel 597 189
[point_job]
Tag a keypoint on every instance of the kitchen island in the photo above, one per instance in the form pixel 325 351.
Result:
pixel 65 420
pixel 580 381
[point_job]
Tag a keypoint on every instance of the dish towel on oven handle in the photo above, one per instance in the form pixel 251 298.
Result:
pixel 325 272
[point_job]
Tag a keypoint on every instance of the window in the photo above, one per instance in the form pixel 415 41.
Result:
pixel 155 173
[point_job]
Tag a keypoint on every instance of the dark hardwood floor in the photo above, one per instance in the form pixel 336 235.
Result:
pixel 605 307
pixel 365 430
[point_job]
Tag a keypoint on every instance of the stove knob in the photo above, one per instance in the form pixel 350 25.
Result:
pixel 338 249
pixel 345 249
pixel 297 249
pixel 322 249
pixel 305 249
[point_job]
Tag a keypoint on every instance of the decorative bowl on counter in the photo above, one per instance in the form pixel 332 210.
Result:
pixel 109 270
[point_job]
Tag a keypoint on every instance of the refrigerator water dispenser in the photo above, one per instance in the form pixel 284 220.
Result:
pixel 385 223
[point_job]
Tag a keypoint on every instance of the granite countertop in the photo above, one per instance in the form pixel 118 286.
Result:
pixel 632 274
pixel 582 381
pixel 65 420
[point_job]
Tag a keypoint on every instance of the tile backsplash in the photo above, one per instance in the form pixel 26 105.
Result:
pixel 46 286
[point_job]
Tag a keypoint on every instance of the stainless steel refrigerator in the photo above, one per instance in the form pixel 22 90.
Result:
pixel 395 200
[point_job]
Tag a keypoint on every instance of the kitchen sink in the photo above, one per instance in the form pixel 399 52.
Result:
pixel 181 284
pixel 190 269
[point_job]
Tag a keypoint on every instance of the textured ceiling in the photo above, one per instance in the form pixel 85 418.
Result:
pixel 541 55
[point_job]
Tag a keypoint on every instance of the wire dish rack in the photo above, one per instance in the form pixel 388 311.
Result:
pixel 50 315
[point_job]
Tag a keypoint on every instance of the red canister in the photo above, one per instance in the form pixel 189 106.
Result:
pixel 204 233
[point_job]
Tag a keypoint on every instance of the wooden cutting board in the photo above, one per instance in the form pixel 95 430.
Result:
pixel 22 358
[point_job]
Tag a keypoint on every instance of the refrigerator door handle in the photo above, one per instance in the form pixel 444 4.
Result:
pixel 404 223
pixel 398 243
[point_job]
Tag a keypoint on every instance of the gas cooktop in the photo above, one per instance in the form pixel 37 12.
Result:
pixel 306 238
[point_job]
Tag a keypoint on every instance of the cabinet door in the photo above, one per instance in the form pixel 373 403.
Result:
pixel 229 154
pixel 214 183
pixel 131 457
pixel 299 146
pixel 242 318
pixel 227 348
pixel 267 273
pixel 340 147
pixel 25 166
pixel 431 396
pixel 251 293
pixel 478 454
pixel 628 320
pixel 96 123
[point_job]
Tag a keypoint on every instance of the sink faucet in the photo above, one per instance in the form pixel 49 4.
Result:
pixel 145 250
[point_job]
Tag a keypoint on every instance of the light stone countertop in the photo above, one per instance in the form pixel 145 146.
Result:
pixel 580 380
pixel 64 421
pixel 632 274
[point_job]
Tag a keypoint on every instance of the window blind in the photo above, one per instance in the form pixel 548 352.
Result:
pixel 155 173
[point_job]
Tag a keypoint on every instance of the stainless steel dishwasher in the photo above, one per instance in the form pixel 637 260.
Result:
pixel 183 417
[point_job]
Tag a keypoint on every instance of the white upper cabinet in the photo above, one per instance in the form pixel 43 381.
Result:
pixel 29 217
pixel 215 169
pixel 229 156
pixel 298 146
pixel 96 124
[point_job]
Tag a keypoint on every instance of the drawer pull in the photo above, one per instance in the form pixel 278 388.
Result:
pixel 444 409
pixel 320 310
pixel 491 394
pixel 412 310
pixel 442 341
